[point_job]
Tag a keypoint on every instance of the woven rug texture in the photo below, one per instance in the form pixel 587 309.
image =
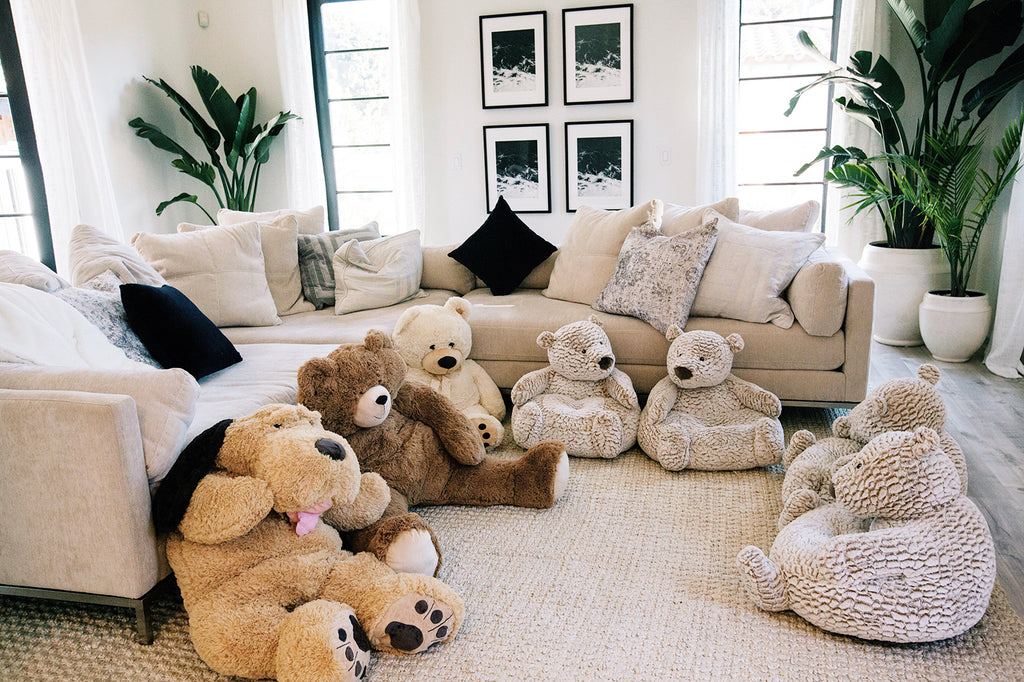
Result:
pixel 632 576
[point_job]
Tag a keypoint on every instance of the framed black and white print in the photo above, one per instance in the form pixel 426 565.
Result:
pixel 513 60
pixel 517 165
pixel 599 164
pixel 597 54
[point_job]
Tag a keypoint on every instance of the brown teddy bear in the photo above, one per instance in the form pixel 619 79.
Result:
pixel 423 446
pixel 268 589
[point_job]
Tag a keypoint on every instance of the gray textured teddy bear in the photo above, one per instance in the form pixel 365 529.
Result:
pixel 580 398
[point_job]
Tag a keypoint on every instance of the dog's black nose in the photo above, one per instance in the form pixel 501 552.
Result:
pixel 331 448
pixel 447 362
pixel 606 362
pixel 684 373
pixel 381 400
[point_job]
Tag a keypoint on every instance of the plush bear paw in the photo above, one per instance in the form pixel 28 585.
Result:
pixel 800 441
pixel 414 623
pixel 672 448
pixel 768 442
pixel 541 475
pixel 322 640
pixel 761 579
pixel 797 504
pixel 528 425
pixel 412 551
pixel 606 431
pixel 489 429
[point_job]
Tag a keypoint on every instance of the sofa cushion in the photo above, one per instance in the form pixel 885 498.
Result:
pixel 591 248
pixel 17 268
pixel 818 293
pixel 91 252
pixel 316 269
pixel 220 270
pixel 503 251
pixel 175 331
pixel 799 218
pixel 310 221
pixel 678 218
pixel 440 271
pixel 377 273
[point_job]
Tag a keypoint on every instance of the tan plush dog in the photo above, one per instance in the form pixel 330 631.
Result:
pixel 268 589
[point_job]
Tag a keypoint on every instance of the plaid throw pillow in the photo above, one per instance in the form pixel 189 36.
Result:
pixel 316 251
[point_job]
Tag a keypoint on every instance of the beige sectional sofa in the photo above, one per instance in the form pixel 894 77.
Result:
pixel 80 450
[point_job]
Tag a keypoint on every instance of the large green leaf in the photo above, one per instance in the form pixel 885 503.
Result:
pixel 935 11
pixel 948 30
pixel 838 154
pixel 184 196
pixel 219 103
pixel 889 84
pixel 911 24
pixel 267 132
pixel 148 131
pixel 246 115
pixel 988 28
pixel 203 172
pixel 204 131
pixel 988 93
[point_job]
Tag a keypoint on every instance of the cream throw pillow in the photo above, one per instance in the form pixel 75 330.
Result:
pixel 220 270
pixel 310 221
pixel 590 252
pixel 91 253
pixel 279 242
pixel 799 218
pixel 678 218
pixel 17 268
pixel 748 271
pixel 377 273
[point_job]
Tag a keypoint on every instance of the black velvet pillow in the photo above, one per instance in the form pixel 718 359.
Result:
pixel 503 251
pixel 174 330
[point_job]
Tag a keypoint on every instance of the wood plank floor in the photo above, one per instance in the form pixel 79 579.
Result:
pixel 985 414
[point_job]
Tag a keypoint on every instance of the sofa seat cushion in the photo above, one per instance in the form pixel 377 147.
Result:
pixel 323 326
pixel 506 328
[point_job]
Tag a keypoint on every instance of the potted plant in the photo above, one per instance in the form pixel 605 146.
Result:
pixel 245 148
pixel 953 38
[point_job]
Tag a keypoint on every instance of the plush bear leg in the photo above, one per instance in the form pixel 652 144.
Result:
pixel 536 480
pixel 606 434
pixel 401 539
pixel 769 442
pixel 671 446
pixel 402 612
pixel 800 441
pixel 797 504
pixel 489 429
pixel 762 580
pixel 527 425
pixel 321 641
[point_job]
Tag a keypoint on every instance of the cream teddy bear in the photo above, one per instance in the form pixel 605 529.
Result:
pixel 580 399
pixel 895 405
pixel 901 556
pixel 435 342
pixel 701 416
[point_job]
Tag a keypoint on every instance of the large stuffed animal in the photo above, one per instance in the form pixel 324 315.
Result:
pixel 701 416
pixel 435 342
pixel 580 398
pixel 901 556
pixel 268 589
pixel 420 443
pixel 895 405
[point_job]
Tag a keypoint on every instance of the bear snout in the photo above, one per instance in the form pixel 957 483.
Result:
pixel 447 362
pixel 331 448
pixel 684 373
pixel 606 362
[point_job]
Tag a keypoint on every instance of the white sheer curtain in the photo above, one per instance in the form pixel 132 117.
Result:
pixel 304 167
pixel 718 68
pixel 407 109
pixel 75 171
pixel 1007 346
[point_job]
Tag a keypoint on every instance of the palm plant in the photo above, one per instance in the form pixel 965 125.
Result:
pixel 246 144
pixel 953 38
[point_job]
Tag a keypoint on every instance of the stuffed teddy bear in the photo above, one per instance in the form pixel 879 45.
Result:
pixel 420 443
pixel 701 416
pixel 901 556
pixel 435 341
pixel 580 398
pixel 895 405
pixel 268 589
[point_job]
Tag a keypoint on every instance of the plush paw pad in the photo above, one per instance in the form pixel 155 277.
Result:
pixel 351 645
pixel 413 551
pixel 414 623
pixel 489 429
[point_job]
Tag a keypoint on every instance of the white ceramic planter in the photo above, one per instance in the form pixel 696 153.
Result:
pixel 954 328
pixel 902 278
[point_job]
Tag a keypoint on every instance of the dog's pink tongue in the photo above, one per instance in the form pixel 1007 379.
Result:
pixel 305 521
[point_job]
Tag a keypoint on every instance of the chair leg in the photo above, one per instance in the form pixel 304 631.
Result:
pixel 143 621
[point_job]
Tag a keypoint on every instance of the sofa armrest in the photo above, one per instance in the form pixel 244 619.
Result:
pixel 74 496
pixel 860 307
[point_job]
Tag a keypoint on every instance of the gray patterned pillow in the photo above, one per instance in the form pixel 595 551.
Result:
pixel 316 253
pixel 656 277
pixel 103 309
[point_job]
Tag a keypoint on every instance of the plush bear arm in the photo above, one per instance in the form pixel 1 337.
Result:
pixel 369 505
pixel 422 403
pixel 225 507
pixel 755 397
pixel 620 388
pixel 530 385
pixel 490 395
pixel 660 401
pixel 877 554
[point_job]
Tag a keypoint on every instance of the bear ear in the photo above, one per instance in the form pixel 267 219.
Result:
pixel 735 342
pixel 407 317
pixel 459 305
pixel 546 340
pixel 315 373
pixel 928 372
pixel 926 441
pixel 593 318
pixel 673 332
pixel 376 339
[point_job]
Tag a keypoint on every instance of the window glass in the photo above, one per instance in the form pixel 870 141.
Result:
pixel 782 10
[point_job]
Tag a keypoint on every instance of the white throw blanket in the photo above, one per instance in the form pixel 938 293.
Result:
pixel 38 328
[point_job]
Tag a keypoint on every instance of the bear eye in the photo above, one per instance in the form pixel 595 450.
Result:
pixel 857 466
pixel 277 426
pixel 451 344
pixel 433 347
pixel 701 358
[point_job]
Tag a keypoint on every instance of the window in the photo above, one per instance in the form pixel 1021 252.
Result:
pixel 24 224
pixel 772 147
pixel 352 66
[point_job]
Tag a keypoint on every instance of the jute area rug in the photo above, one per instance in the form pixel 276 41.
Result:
pixel 631 576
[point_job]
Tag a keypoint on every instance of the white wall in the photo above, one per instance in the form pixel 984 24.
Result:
pixel 664 110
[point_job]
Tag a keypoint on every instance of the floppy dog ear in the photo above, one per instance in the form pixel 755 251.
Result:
pixel 225 507
pixel 175 491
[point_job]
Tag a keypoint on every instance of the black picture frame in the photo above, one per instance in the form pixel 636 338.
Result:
pixel 597 54
pixel 517 166
pixel 599 164
pixel 513 60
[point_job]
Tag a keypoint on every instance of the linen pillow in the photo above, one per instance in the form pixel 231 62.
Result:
pixel 105 310
pixel 442 272
pixel 279 243
pixel 503 251
pixel 590 252
pixel 175 331
pixel 90 253
pixel 678 218
pixel 799 218
pixel 817 294
pixel 17 268
pixel 220 270
pixel 310 221
pixel 377 273
pixel 315 255
pixel 656 276
pixel 749 269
